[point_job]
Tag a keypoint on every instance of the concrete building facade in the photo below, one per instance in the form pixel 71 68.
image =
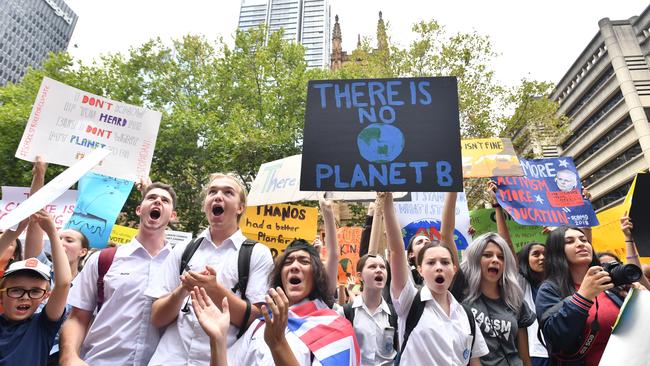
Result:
pixel 29 29
pixel 606 95
pixel 304 21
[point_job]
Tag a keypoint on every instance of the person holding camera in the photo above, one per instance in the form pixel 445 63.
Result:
pixel 575 313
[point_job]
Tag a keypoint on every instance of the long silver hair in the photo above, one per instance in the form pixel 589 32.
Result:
pixel 509 288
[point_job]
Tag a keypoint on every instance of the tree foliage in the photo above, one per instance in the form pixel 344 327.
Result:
pixel 234 108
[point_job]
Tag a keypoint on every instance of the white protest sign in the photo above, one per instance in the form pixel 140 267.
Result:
pixel 61 208
pixel 629 342
pixel 422 215
pixel 54 189
pixel 177 237
pixel 279 182
pixel 67 123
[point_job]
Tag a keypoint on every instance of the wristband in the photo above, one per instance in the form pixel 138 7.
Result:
pixel 495 205
pixel 632 256
pixel 629 241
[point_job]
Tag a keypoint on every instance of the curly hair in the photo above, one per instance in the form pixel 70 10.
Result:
pixel 320 290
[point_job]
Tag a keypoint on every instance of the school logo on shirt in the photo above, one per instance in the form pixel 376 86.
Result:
pixel 466 353
pixel 494 328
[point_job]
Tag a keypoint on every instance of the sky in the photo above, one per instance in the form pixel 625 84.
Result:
pixel 536 40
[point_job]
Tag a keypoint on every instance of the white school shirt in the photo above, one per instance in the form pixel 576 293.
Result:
pixel 184 342
pixel 437 339
pixel 122 333
pixel 535 348
pixel 372 333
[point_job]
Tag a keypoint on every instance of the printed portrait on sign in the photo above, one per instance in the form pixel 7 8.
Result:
pixel 566 180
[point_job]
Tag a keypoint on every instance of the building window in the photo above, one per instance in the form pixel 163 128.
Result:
pixel 593 119
pixel 614 164
pixel 610 136
pixel 612 196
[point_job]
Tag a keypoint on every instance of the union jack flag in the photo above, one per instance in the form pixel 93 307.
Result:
pixel 329 336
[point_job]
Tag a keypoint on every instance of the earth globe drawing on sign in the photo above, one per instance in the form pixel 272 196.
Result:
pixel 380 143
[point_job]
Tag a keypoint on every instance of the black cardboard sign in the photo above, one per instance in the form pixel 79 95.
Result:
pixel 382 135
pixel 639 214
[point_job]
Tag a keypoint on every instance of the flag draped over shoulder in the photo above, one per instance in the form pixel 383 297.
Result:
pixel 329 336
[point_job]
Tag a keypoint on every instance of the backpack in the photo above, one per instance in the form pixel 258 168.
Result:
pixel 415 313
pixel 107 255
pixel 349 313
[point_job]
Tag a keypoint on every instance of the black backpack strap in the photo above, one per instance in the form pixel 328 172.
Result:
pixel 348 312
pixel 243 271
pixel 415 313
pixel 189 251
pixel 472 326
pixel 392 320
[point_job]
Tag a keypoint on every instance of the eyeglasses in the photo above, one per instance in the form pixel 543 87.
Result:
pixel 18 292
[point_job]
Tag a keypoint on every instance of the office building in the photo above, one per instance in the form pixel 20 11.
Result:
pixel 29 29
pixel 304 21
pixel 606 95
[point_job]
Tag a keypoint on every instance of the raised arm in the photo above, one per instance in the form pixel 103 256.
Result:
pixel 587 230
pixel 448 224
pixel 364 243
pixel 9 236
pixel 398 262
pixel 62 277
pixel 632 255
pixel 332 263
pixel 502 227
pixel 73 333
pixel 34 235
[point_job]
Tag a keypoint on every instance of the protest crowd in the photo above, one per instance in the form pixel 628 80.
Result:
pixel 223 299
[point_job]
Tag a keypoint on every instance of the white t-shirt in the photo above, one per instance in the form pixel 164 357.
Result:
pixel 122 333
pixel 184 341
pixel 535 348
pixel 437 339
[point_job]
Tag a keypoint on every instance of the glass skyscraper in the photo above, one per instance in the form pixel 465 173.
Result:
pixel 29 29
pixel 304 21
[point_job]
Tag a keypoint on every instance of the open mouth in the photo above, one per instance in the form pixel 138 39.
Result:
pixel 295 281
pixel 379 278
pixel 440 279
pixel 23 307
pixel 493 270
pixel 217 210
pixel 155 214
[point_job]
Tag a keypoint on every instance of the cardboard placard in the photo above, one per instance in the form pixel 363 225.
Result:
pixel 639 214
pixel 422 216
pixel 549 194
pixel 60 209
pixel 278 225
pixel 278 182
pixel 121 235
pixel 53 189
pixel 100 201
pixel 67 123
pixel 484 220
pixel 493 157
pixel 382 135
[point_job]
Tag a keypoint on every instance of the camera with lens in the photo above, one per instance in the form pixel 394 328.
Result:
pixel 622 274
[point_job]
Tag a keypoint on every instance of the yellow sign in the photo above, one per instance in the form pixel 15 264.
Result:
pixel 122 234
pixel 278 225
pixel 493 157
pixel 608 237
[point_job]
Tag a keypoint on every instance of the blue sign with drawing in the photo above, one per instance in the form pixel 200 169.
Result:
pixel 549 194
pixel 382 135
pixel 99 202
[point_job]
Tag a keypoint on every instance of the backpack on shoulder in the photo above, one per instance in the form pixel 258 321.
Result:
pixel 349 312
pixel 107 255
pixel 414 315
